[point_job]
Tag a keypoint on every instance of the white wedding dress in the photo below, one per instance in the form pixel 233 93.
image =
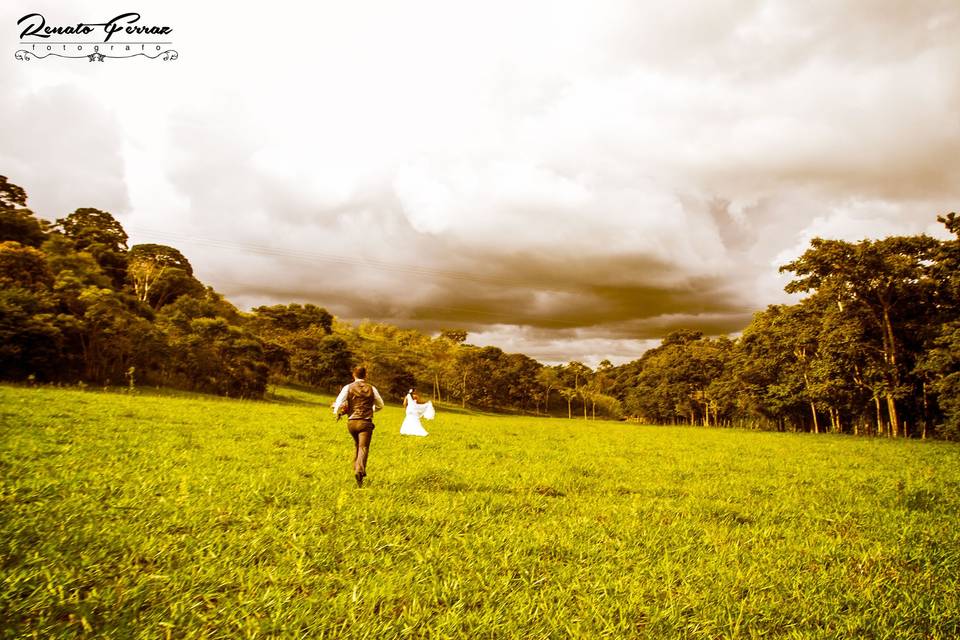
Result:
pixel 411 424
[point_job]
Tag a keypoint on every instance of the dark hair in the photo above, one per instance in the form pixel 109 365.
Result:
pixel 360 372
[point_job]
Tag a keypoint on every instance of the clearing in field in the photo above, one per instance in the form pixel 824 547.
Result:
pixel 184 516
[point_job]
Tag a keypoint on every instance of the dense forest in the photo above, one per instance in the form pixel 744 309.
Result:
pixel 873 348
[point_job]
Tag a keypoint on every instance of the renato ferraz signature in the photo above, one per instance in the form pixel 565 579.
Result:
pixel 36 25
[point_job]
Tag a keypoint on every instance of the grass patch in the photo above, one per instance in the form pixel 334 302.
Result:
pixel 154 515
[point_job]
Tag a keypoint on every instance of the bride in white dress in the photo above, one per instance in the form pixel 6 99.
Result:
pixel 415 410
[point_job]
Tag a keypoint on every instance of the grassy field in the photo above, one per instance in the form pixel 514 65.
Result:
pixel 164 515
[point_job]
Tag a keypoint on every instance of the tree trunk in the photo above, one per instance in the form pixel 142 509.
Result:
pixel 926 415
pixel 890 353
pixel 892 410
pixel 569 408
pixel 816 424
pixel 876 401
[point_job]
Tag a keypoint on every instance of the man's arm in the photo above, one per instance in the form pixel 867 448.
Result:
pixel 377 400
pixel 340 398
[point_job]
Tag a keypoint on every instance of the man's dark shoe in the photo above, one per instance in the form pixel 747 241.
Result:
pixel 359 476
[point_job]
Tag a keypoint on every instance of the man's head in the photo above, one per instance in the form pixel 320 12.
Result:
pixel 359 373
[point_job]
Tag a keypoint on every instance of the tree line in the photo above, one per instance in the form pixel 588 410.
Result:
pixel 80 305
pixel 873 348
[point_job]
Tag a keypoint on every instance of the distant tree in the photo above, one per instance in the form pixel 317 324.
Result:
pixel 598 387
pixel 30 337
pixel 106 329
pixel 100 234
pixel 946 268
pixel 455 336
pixel 216 357
pixel 208 353
pixel 160 274
pixel 23 266
pixel 286 318
pixel 576 376
pixel 17 223
pixel 11 195
pixel 770 386
pixel 69 264
pixel 549 379
pixel 942 365
pixel 320 360
pixel 674 379
pixel 939 367
pixel 608 405
pixel 520 381
pixel 486 377
pixel 389 353
pixel 568 394
pixel 438 356
pixel 295 347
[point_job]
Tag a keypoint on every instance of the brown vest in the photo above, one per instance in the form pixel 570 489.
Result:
pixel 360 401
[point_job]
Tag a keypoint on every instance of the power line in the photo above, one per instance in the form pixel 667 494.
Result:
pixel 369 263
pixel 509 318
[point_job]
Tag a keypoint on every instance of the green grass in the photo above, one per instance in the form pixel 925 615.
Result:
pixel 159 515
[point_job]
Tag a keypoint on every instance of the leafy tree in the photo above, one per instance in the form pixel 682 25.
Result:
pixel 485 383
pixel 216 357
pixel 17 223
pixel 66 262
pixel 942 364
pixel 576 376
pixel 520 381
pixel 946 268
pixel 100 234
pixel 672 380
pixel 439 355
pixel 455 336
pixel 30 338
pixel 11 195
pixel 320 360
pixel 568 394
pixel 548 379
pixel 23 266
pixel 608 405
pixel 160 274
pixel 208 353
pixel 389 353
pixel 286 318
pixel 296 345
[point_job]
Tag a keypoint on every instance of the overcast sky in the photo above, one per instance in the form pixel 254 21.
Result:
pixel 567 179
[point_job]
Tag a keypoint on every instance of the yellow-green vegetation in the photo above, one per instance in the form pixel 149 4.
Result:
pixel 157 515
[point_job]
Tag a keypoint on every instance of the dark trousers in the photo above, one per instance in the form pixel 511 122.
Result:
pixel 362 432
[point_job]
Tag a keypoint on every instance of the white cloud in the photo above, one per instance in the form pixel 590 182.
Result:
pixel 580 163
